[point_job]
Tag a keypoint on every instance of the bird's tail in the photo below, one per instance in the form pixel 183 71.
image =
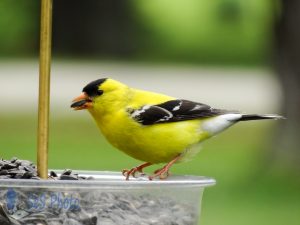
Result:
pixel 246 117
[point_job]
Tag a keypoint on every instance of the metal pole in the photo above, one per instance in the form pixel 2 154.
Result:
pixel 44 88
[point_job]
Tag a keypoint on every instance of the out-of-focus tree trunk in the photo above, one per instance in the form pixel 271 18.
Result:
pixel 287 59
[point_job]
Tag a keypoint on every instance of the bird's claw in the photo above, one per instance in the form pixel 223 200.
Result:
pixel 162 173
pixel 132 172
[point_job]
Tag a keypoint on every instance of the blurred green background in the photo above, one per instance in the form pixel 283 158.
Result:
pixel 221 52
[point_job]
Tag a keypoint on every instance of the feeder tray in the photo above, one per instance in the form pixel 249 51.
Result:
pixel 106 199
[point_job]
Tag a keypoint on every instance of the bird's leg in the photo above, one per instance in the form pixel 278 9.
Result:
pixel 132 171
pixel 163 173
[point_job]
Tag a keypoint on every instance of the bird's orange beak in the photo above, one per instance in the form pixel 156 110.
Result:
pixel 83 101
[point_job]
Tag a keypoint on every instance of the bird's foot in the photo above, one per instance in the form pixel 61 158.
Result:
pixel 127 173
pixel 132 172
pixel 163 173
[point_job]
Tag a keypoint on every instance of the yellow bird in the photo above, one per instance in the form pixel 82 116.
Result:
pixel 152 127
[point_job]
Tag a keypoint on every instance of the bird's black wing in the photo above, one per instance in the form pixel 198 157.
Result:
pixel 173 111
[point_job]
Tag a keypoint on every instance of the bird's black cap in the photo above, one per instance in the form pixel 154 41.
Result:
pixel 92 89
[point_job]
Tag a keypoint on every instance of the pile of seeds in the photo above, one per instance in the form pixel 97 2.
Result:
pixel 17 169
pixel 43 206
pixel 24 169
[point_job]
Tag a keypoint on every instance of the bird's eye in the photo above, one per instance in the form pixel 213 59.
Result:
pixel 99 92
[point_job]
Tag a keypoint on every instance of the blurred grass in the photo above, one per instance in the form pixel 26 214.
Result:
pixel 247 191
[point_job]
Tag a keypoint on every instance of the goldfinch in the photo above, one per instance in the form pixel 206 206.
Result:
pixel 152 127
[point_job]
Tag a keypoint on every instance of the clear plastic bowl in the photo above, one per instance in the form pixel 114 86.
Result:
pixel 107 199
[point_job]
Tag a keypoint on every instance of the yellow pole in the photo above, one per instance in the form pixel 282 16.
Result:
pixel 44 88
